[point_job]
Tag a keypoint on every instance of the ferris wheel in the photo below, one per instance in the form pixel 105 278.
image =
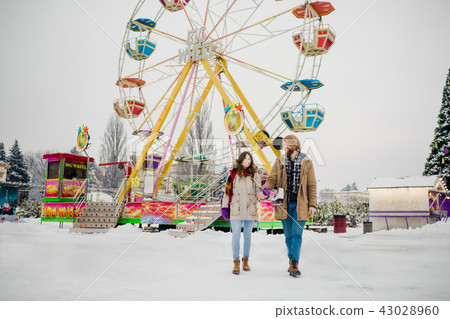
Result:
pixel 178 56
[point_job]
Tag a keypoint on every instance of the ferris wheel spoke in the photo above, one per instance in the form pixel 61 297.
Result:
pixel 152 66
pixel 170 36
pixel 253 11
pixel 206 13
pixel 187 16
pixel 193 89
pixel 256 23
pixel 221 18
pixel 255 68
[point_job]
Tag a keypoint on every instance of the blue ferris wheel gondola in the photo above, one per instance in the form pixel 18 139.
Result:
pixel 142 24
pixel 140 48
pixel 296 87
pixel 302 85
pixel 311 84
pixel 306 119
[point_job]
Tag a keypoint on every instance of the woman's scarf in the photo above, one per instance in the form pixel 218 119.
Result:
pixel 229 184
pixel 230 180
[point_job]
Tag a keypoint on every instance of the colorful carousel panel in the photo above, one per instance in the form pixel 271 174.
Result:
pixel 59 212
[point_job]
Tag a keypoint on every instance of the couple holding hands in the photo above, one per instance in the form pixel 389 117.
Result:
pixel 294 173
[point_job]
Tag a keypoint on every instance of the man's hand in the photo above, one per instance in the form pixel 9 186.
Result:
pixel 311 212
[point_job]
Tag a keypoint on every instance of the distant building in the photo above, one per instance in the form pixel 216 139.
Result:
pixel 11 193
pixel 345 197
pixel 407 201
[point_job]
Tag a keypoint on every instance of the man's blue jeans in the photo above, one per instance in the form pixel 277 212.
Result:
pixel 236 232
pixel 293 231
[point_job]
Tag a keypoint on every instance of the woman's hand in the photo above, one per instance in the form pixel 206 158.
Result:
pixel 266 192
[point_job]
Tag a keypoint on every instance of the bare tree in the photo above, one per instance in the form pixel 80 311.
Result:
pixel 112 151
pixel 37 169
pixel 199 143
pixel 93 174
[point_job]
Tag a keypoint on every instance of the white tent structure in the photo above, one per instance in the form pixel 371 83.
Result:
pixel 406 202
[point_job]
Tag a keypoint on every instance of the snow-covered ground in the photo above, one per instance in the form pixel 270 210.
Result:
pixel 43 262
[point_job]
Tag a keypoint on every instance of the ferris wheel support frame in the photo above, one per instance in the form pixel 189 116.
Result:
pixel 228 101
pixel 214 80
pixel 157 127
pixel 247 106
pixel 183 135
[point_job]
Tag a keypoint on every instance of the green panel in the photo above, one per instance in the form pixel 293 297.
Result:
pixel 61 175
pixel 129 221
pixel 57 200
pixel 270 225
pixel 221 223
pixel 57 220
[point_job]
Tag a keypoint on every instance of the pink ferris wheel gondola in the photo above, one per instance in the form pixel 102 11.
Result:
pixel 174 5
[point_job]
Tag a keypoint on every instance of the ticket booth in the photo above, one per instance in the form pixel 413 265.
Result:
pixel 66 173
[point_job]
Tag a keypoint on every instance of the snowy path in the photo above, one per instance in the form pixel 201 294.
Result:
pixel 42 262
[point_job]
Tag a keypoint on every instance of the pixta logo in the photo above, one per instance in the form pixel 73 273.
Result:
pixel 310 148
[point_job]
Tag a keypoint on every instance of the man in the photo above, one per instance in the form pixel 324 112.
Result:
pixel 294 172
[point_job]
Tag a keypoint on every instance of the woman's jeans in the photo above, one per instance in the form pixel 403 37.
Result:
pixel 293 230
pixel 236 233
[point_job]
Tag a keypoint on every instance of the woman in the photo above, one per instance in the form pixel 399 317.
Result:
pixel 294 172
pixel 241 203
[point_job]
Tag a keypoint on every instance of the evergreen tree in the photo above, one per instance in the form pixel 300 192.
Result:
pixel 18 171
pixel 349 187
pixel 2 153
pixel 438 161
pixel 346 188
pixel 74 151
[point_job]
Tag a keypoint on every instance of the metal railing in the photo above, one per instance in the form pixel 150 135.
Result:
pixel 79 198
pixel 201 195
pixel 119 203
pixel 190 189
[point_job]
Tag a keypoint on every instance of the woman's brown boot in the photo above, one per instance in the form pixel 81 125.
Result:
pixel 236 268
pixel 245 265
pixel 291 267
pixel 295 273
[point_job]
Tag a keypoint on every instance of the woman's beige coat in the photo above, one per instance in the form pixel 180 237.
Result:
pixel 307 194
pixel 244 201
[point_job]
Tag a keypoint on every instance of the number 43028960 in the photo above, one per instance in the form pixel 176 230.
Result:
pixel 409 310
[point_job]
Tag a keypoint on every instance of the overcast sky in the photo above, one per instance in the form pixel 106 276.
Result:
pixel 383 80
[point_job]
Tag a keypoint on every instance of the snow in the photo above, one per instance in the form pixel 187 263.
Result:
pixel 100 197
pixel 408 181
pixel 43 262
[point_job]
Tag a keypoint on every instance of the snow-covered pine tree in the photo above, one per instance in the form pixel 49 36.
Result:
pixel 346 188
pixel 18 172
pixel 74 151
pixel 438 161
pixel 2 153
